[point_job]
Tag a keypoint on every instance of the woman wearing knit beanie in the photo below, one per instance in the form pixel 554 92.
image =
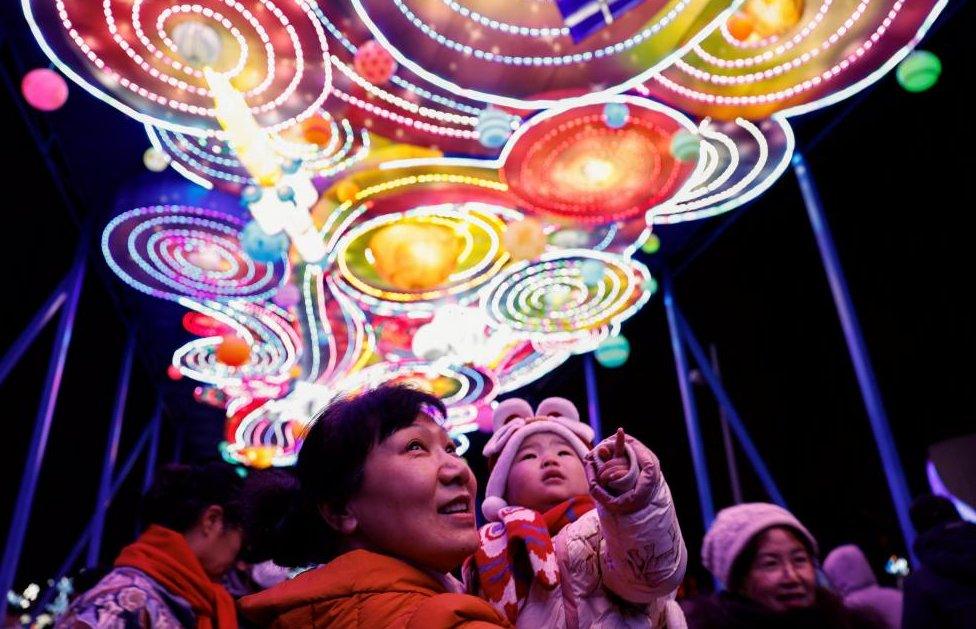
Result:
pixel 766 561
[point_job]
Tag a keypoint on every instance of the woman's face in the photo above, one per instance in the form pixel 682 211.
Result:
pixel 781 577
pixel 546 471
pixel 417 499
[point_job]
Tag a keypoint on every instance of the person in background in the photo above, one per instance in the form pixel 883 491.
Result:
pixel 942 591
pixel 383 505
pixel 169 576
pixel 766 560
pixel 851 576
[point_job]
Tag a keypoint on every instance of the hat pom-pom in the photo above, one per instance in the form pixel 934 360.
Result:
pixel 491 506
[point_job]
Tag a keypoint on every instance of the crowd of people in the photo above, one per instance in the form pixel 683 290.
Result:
pixel 376 527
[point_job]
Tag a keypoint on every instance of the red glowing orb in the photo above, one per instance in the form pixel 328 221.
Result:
pixel 573 166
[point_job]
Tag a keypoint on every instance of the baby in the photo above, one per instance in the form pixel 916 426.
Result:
pixel 577 536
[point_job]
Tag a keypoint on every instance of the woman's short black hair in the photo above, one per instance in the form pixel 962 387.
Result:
pixel 181 493
pixel 329 472
pixel 743 563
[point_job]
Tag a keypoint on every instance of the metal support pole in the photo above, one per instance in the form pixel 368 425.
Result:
pixel 691 413
pixel 42 425
pixel 111 453
pixel 155 425
pixel 734 420
pixel 877 417
pixel 82 541
pixel 592 397
pixel 726 435
pixel 26 338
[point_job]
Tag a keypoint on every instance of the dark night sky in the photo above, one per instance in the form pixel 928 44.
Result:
pixel 891 172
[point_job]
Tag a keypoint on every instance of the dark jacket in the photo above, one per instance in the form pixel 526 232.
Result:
pixel 731 611
pixel 942 592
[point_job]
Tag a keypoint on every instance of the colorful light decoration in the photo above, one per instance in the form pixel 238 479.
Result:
pixel 613 352
pixel 373 257
pixel 794 62
pixel 148 58
pixel 152 249
pixel 44 89
pixel 570 165
pixel 919 71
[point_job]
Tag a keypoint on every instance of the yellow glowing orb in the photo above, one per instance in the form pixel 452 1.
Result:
pixel 773 17
pixel 415 256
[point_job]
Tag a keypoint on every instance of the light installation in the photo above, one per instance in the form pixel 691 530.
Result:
pixel 458 188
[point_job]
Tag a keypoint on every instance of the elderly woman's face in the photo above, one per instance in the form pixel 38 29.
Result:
pixel 781 577
pixel 417 498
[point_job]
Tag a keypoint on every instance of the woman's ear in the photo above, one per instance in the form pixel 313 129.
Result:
pixel 211 521
pixel 342 520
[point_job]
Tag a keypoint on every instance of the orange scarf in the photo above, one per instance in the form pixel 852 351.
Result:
pixel 164 555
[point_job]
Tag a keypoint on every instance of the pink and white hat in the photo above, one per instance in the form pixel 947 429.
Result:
pixel 514 421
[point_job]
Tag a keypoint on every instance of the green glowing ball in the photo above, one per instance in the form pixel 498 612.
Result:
pixel 613 352
pixel 919 71
pixel 651 245
pixel 685 146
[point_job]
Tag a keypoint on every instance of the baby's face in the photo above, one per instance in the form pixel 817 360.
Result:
pixel 546 472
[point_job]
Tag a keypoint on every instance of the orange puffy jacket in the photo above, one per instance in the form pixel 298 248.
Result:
pixel 361 589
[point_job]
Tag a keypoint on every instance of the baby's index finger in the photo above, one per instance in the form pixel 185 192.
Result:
pixel 619 444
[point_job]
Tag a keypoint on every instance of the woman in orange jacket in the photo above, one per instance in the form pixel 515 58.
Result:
pixel 382 499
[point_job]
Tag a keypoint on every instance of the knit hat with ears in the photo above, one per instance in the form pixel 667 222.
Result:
pixel 514 421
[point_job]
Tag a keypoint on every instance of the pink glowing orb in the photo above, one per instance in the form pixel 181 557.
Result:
pixel 44 89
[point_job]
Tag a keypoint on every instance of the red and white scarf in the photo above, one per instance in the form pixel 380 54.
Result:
pixel 518 551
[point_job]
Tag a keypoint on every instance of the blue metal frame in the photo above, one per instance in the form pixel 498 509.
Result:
pixel 38 323
pixel 890 460
pixel 592 397
pixel 45 415
pixel 111 453
pixel 735 422
pixel 691 412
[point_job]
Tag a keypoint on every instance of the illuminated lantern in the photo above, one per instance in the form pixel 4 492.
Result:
pixel 616 115
pixel 287 296
pixel 524 239
pixel 374 63
pixel 44 89
pixel 316 130
pixel 155 160
pixel 233 351
pixel 650 285
pixel 346 191
pixel 174 373
pixel 557 296
pixel 204 325
pixel 251 194
pixel 918 71
pixel 651 245
pixel 415 256
pixel 685 146
pixel 259 457
pixel 773 17
pixel 569 238
pixel 428 344
pixel 263 247
pixel 494 128
pixel 613 352
pixel 197 42
pixel 741 26
pixel 592 272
